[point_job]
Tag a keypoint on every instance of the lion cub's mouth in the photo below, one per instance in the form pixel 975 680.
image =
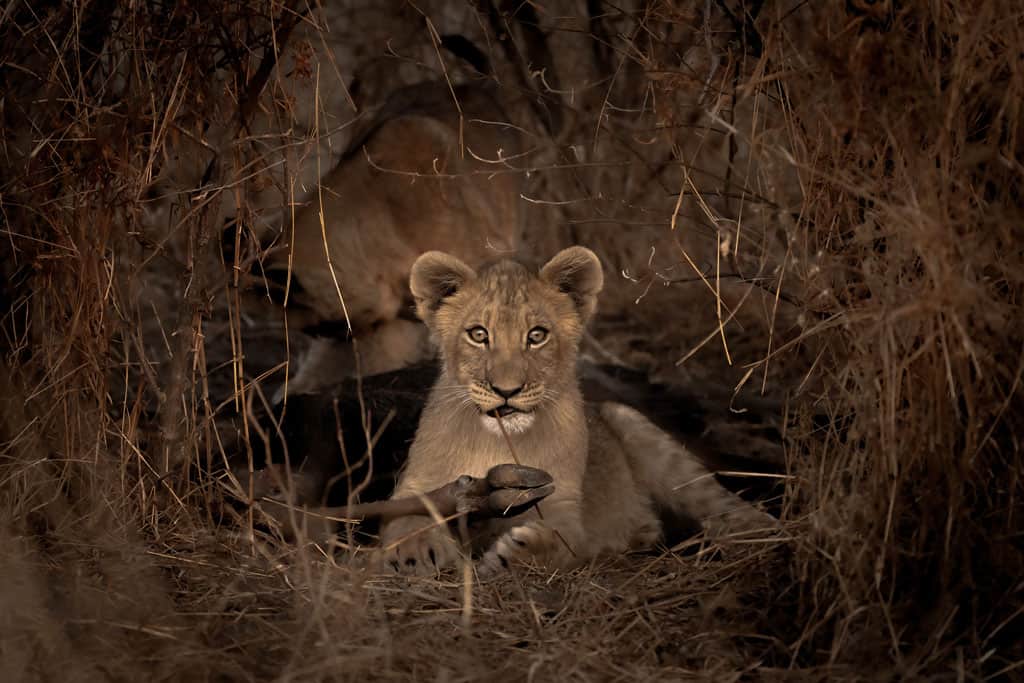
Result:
pixel 504 411
pixel 513 420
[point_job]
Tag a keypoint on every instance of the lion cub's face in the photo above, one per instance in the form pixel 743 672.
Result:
pixel 508 337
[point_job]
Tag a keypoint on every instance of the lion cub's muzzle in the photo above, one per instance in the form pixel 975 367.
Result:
pixel 490 399
pixel 515 409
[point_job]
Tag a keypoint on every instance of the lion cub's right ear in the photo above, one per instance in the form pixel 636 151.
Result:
pixel 435 277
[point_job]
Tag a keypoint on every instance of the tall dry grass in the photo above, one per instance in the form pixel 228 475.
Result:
pixel 908 140
pixel 872 167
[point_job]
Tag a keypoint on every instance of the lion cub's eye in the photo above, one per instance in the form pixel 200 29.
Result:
pixel 537 336
pixel 477 335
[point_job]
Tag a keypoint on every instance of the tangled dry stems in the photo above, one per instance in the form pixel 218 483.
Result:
pixel 888 314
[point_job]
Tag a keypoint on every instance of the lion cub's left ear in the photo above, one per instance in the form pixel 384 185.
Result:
pixel 577 272
pixel 436 276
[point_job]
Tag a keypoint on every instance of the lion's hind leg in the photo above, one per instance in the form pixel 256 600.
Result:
pixel 678 481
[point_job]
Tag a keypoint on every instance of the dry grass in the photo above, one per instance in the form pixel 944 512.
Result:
pixel 830 193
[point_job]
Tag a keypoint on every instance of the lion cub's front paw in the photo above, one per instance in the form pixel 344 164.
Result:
pixel 418 548
pixel 531 541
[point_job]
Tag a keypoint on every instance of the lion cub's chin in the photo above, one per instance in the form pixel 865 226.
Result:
pixel 516 423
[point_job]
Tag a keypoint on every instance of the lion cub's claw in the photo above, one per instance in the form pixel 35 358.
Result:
pixel 517 545
pixel 424 553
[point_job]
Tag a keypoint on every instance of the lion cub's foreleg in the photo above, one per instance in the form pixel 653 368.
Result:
pixel 554 542
pixel 417 544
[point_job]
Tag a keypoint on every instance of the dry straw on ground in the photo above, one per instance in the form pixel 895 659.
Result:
pixel 831 194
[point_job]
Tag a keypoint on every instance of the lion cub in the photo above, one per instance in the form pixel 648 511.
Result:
pixel 508 389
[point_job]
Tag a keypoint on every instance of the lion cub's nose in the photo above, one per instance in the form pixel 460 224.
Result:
pixel 506 392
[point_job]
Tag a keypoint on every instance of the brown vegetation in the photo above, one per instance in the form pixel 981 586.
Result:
pixel 818 202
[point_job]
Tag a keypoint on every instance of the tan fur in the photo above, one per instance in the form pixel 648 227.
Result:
pixel 614 471
pixel 418 178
